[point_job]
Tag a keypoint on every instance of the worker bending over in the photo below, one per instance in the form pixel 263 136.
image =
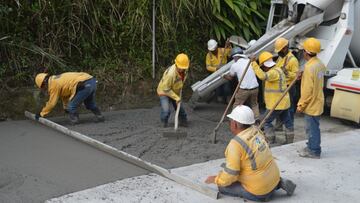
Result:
pixel 248 91
pixel 250 170
pixel 275 86
pixel 215 59
pixel 170 88
pixel 311 102
pixel 290 66
pixel 73 88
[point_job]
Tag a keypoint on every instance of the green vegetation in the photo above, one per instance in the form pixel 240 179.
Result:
pixel 112 38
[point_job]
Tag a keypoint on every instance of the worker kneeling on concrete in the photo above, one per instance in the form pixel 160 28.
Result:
pixel 73 88
pixel 275 86
pixel 250 170
pixel 170 88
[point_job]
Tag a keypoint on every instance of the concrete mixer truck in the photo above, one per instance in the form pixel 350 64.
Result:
pixel 336 23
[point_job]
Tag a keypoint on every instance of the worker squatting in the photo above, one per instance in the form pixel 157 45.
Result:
pixel 250 170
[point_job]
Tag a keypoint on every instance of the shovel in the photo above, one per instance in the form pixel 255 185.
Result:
pixel 176 133
pixel 213 135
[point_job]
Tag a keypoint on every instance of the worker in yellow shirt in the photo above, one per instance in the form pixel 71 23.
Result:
pixel 311 102
pixel 73 88
pixel 170 88
pixel 215 59
pixel 290 66
pixel 250 170
pixel 275 85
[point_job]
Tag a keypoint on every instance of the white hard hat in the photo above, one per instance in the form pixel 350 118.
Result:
pixel 242 114
pixel 269 63
pixel 252 42
pixel 212 45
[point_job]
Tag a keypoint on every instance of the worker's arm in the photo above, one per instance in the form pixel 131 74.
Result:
pixel 307 88
pixel 209 65
pixel 271 75
pixel 231 171
pixel 53 99
pixel 292 68
pixel 168 82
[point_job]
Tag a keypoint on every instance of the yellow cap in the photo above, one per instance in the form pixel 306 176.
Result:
pixel 312 45
pixel 264 56
pixel 182 61
pixel 39 79
pixel 280 44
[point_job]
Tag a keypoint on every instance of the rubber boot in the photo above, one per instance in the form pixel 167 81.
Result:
pixel 288 186
pixel 280 138
pixel 98 115
pixel 278 125
pixel 270 135
pixel 289 135
pixel 74 118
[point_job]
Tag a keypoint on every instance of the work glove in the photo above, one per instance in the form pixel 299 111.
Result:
pixel 66 111
pixel 37 116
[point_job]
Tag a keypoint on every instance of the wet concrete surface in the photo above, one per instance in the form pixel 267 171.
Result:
pixel 139 132
pixel 38 163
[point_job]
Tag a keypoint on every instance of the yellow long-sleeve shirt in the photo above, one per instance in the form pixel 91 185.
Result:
pixel 171 83
pixel 213 61
pixel 250 162
pixel 275 85
pixel 64 86
pixel 312 82
pixel 291 67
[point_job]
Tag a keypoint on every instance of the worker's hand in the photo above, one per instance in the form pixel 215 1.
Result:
pixel 37 116
pixel 299 109
pixel 66 111
pixel 227 44
pixel 210 180
pixel 252 58
pixel 178 102
pixel 299 75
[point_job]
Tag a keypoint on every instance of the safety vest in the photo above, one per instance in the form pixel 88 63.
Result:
pixel 63 86
pixel 290 66
pixel 249 161
pixel 312 83
pixel 214 62
pixel 275 86
pixel 171 83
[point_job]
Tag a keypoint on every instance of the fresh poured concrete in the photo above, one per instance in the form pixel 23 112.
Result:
pixel 38 163
pixel 333 178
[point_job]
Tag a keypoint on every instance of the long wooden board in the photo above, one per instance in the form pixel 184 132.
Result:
pixel 128 157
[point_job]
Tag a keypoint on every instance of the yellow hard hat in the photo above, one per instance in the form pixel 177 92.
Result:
pixel 280 44
pixel 182 61
pixel 312 45
pixel 39 79
pixel 264 56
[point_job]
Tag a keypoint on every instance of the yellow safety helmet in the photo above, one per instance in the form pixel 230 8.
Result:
pixel 264 56
pixel 280 44
pixel 39 79
pixel 312 45
pixel 182 61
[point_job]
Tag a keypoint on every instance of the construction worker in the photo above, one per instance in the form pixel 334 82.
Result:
pixel 250 170
pixel 73 88
pixel 290 66
pixel 311 101
pixel 170 88
pixel 215 59
pixel 248 91
pixel 275 85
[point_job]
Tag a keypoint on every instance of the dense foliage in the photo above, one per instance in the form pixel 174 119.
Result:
pixel 112 38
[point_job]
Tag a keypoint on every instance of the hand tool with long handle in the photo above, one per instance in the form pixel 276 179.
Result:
pixel 176 133
pixel 278 102
pixel 213 135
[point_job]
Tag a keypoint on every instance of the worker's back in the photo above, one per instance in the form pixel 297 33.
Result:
pixel 259 173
